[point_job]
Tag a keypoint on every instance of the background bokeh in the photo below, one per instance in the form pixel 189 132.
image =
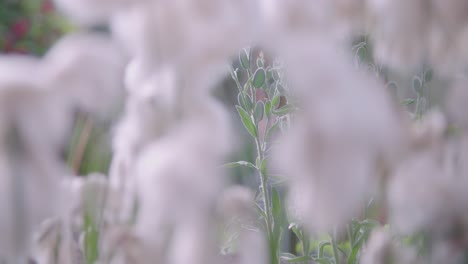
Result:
pixel 29 26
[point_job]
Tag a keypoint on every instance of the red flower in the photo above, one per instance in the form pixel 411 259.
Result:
pixel 47 6
pixel 20 28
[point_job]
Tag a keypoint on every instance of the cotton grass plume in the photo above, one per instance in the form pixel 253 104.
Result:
pixel 332 151
pixel 57 85
pixel 382 248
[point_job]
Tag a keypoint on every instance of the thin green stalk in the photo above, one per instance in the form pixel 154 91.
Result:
pixel 305 246
pixel 335 250
pixel 263 177
pixel 266 198
pixel 265 190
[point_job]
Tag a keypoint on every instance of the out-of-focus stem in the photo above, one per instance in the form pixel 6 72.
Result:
pixel 83 139
pixel 335 249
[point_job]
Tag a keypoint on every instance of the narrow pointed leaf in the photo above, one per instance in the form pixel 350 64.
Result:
pixel 268 109
pixel 239 164
pixel 244 59
pixel 247 121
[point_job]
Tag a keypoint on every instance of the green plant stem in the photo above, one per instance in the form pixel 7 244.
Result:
pixel 335 250
pixel 263 177
pixel 265 190
pixel 305 246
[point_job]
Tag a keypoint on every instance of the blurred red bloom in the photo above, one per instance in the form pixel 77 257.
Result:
pixel 20 28
pixel 47 6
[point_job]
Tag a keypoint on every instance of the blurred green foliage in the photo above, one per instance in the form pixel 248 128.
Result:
pixel 29 26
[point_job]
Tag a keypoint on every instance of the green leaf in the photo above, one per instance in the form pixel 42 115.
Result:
pixel 246 87
pixel 275 75
pixel 247 98
pixel 370 223
pixel 247 121
pixel 295 228
pixel 284 110
pixel 269 74
pixel 248 103
pixel 417 85
pixel 259 78
pixel 236 78
pixel 263 166
pixel 260 210
pixel 272 129
pixel 91 251
pixel 428 76
pixel 363 228
pixel 275 243
pixel 356 247
pixel 275 101
pixel 234 73
pixel 244 59
pixel 344 248
pixel 322 260
pixel 275 204
pixel 258 112
pixel 260 63
pixel 241 100
pixel 300 259
pixel 280 88
pixel 322 246
pixel 291 258
pixel 356 232
pixel 239 164
pixel 268 109
pixel 408 101
pixel 286 255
